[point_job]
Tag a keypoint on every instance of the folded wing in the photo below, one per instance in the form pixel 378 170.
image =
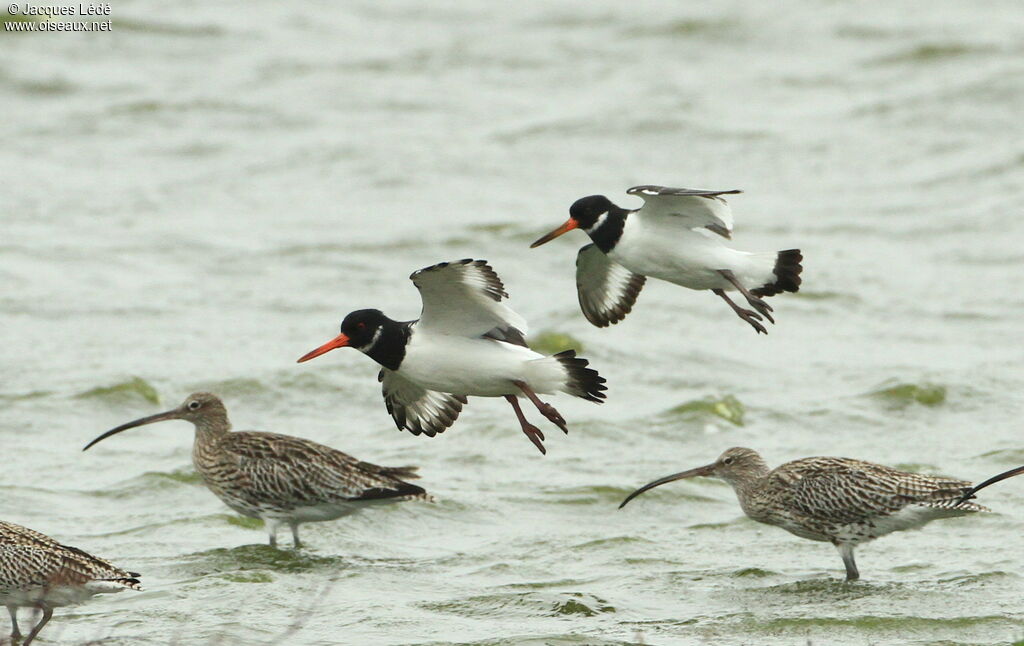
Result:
pixel 464 298
pixel 305 474
pixel 686 208
pixel 607 290
pixel 845 491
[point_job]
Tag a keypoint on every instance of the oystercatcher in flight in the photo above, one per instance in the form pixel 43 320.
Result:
pixel 466 342
pixel 677 235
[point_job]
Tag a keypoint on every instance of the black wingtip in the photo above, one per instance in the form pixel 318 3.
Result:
pixel 787 274
pixel 583 382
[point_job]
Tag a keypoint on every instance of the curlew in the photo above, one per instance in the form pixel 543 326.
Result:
pixel 679 235
pixel 839 500
pixel 466 342
pixel 280 479
pixel 38 572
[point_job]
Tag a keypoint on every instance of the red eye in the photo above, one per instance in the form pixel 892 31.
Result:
pixel 361 326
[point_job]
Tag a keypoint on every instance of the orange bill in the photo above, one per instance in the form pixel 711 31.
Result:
pixel 569 225
pixel 339 341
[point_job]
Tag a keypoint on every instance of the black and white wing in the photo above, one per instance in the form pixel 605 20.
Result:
pixel 416 409
pixel 607 290
pixel 689 208
pixel 464 298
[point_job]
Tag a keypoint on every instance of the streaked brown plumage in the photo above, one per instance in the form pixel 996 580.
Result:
pixel 843 501
pixel 279 478
pixel 38 572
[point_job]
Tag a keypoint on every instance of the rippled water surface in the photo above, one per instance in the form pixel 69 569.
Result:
pixel 196 199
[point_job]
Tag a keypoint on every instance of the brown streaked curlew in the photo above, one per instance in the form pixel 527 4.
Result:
pixel 38 572
pixel 281 479
pixel 839 500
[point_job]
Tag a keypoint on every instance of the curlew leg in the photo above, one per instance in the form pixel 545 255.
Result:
pixel 47 613
pixel 529 429
pixel 846 551
pixel 296 543
pixel 546 409
pixel 272 530
pixel 15 633
pixel 750 316
pixel 757 303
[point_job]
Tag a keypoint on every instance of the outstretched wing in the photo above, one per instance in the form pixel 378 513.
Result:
pixel 464 298
pixel 416 409
pixel 292 471
pixel 607 290
pixel 688 208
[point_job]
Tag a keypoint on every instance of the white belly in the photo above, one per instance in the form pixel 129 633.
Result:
pixel 480 367
pixel 910 517
pixel 689 258
pixel 60 595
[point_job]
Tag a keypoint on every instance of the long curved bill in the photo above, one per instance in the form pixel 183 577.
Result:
pixel 339 341
pixel 159 417
pixel 992 480
pixel 706 470
pixel 569 225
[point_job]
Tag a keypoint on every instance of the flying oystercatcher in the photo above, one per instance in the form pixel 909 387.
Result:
pixel 466 342
pixel 678 236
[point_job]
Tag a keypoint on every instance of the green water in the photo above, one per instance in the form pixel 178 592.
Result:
pixel 195 199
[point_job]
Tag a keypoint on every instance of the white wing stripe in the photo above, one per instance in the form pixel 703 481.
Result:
pixel 464 298
pixel 607 290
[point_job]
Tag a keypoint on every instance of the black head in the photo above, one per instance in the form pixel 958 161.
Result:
pixel 372 333
pixel 363 328
pixel 588 210
pixel 586 213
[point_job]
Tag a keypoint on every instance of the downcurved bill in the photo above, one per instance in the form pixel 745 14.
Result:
pixel 569 225
pixel 159 417
pixel 992 480
pixel 706 470
pixel 339 341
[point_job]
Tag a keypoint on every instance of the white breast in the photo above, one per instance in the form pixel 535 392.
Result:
pixel 481 367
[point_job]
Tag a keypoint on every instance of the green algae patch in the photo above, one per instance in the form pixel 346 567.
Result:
pixel 235 387
pixel 185 476
pixel 243 521
pixel 577 607
pixel 550 342
pixel 903 394
pixel 134 388
pixel 8 17
pixel 247 558
pixel 247 577
pixel 932 52
pixel 728 408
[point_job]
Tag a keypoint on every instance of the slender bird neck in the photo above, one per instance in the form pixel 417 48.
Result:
pixel 608 228
pixel 752 481
pixel 212 426
pixel 388 347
